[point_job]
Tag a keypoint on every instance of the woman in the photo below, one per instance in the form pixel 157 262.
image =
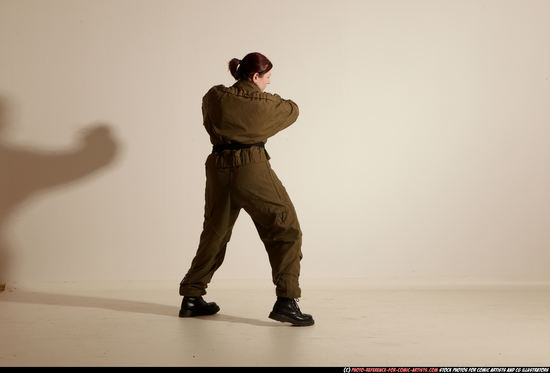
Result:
pixel 239 120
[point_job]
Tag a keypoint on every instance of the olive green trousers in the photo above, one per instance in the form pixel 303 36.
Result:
pixel 244 179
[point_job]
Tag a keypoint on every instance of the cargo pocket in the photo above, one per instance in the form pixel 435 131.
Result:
pixel 275 182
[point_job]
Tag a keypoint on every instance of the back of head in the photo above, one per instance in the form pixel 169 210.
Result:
pixel 251 63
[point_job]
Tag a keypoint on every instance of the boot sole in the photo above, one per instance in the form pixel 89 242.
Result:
pixel 193 313
pixel 283 318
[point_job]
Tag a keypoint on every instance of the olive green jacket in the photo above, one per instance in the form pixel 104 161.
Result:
pixel 243 113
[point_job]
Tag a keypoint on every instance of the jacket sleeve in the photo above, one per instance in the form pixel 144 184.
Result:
pixel 207 113
pixel 280 114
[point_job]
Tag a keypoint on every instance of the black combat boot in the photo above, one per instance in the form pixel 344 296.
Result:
pixel 287 310
pixel 196 306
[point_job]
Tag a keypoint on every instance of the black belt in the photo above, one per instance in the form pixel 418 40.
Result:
pixel 234 146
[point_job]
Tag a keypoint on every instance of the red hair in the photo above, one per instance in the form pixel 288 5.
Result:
pixel 251 63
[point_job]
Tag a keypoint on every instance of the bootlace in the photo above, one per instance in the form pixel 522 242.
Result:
pixel 296 307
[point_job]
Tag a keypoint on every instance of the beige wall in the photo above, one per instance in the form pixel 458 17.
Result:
pixel 421 151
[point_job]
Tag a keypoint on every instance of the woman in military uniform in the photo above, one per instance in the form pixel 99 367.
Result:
pixel 239 120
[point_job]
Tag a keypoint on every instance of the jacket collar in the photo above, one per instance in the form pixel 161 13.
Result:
pixel 247 85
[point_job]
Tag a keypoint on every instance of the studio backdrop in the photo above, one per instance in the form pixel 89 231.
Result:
pixel 421 151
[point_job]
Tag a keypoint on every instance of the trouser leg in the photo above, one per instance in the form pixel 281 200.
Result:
pixel 283 245
pixel 265 199
pixel 219 219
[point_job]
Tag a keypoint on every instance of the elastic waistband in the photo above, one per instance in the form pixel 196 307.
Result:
pixel 234 146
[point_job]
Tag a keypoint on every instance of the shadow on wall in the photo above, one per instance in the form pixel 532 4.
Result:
pixel 24 171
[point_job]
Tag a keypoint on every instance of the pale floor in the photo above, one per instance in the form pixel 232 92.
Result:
pixel 136 324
